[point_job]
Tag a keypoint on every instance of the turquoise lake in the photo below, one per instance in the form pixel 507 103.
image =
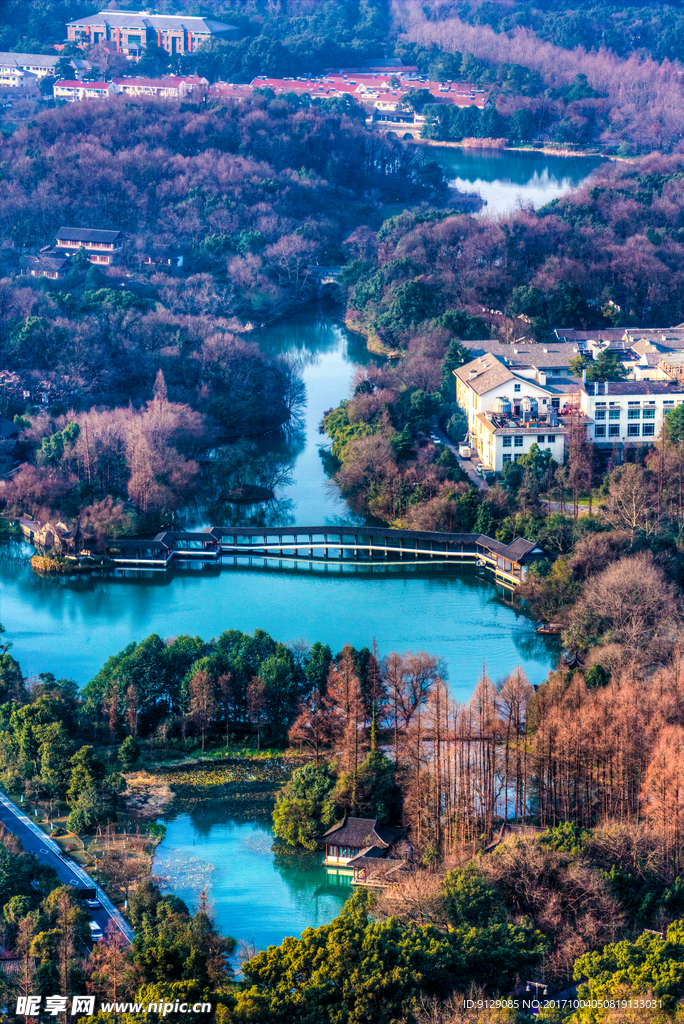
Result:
pixel 71 626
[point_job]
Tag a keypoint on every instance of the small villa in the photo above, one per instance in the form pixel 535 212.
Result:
pixel 363 848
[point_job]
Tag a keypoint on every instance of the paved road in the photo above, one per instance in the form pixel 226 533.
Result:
pixel 469 466
pixel 34 840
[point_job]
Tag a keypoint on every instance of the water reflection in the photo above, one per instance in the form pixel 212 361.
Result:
pixel 259 893
pixel 505 178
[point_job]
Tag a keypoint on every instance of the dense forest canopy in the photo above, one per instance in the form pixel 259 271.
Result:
pixel 573 88
pixel 289 38
pixel 255 197
pixel 600 75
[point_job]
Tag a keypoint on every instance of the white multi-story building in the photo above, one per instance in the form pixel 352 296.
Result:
pixel 73 91
pixel 509 412
pixel 16 67
pixel 629 411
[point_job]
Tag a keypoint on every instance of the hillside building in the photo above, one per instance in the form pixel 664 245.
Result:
pixel 132 31
pixel 73 91
pixel 510 410
pixel 102 246
pixel 50 264
pixel 623 412
pixel 17 69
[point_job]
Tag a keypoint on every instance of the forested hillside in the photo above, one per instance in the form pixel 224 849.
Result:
pixel 254 197
pixel 584 76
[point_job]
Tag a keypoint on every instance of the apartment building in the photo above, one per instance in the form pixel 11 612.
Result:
pixel 73 91
pixel 132 31
pixel 509 411
pixel 621 412
pixel 15 68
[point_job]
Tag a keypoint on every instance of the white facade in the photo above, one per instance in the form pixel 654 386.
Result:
pixel 622 413
pixel 480 382
pixel 75 91
pixel 497 445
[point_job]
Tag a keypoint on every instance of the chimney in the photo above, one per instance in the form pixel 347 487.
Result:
pixel 541 377
pixel 584 375
pixel 606 388
pixel 471 374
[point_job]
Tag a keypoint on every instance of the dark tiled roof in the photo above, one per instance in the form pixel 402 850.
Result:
pixel 162 22
pixel 563 385
pixel 635 387
pixel 8 429
pixel 47 262
pixel 42 60
pixel 526 353
pixel 382 864
pixel 516 550
pixel 361 833
pixel 598 334
pixel 87 234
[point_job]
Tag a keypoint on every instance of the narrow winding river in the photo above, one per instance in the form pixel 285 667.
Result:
pixel 70 627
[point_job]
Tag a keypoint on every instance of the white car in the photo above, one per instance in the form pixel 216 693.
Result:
pixel 93 903
pixel 95 931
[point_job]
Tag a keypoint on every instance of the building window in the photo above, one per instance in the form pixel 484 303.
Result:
pixel 516 457
pixel 649 429
pixel 507 442
pixel 540 439
pixel 551 438
pixel 507 458
pixel 516 388
pixel 614 430
pixel 632 429
pixel 518 442
pixel 555 403
pixel 670 402
pixel 600 414
pixel 600 431
pixel 614 414
pixel 648 414
pixel 633 414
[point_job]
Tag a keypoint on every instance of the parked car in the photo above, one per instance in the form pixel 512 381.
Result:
pixel 479 469
pixel 95 931
pixel 435 439
pixel 94 902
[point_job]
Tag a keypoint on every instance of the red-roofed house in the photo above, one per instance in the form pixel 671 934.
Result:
pixel 384 92
pixel 170 87
pixel 71 91
pixel 230 91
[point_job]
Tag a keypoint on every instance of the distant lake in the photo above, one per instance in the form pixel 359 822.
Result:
pixel 503 177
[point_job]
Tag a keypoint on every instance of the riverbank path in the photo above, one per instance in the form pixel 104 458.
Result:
pixel 34 841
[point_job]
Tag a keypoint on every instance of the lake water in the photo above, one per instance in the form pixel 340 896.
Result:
pixel 505 178
pixel 70 627
pixel 257 897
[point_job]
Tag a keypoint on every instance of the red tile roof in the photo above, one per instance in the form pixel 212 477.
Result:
pixel 169 81
pixel 68 84
pixel 375 86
